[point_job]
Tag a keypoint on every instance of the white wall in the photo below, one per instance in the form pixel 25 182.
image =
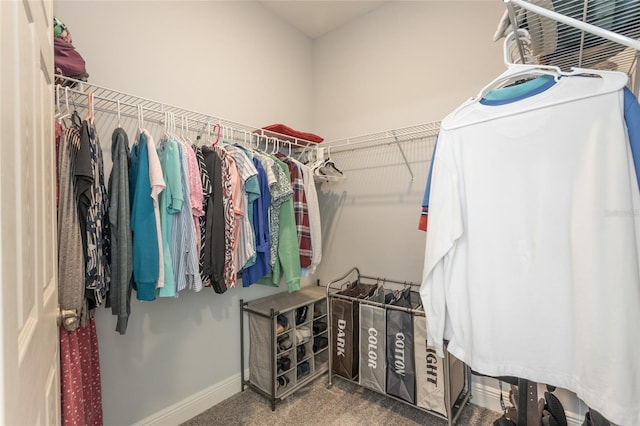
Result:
pixel 405 63
pixel 234 60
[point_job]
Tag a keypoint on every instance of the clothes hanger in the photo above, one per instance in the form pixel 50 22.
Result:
pixel 517 71
pixel 185 130
pixel 231 134
pixel 611 81
pixel 119 118
pixel 246 133
pixel 90 107
pixel 329 167
pixel 319 161
pixel 75 116
pixel 218 128
pixel 269 147
pixel 205 131
pixel 174 126
pixel 140 119
pixel 67 112
pixel 58 112
pixel 226 133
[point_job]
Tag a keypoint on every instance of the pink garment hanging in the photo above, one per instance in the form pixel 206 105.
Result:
pixel 80 376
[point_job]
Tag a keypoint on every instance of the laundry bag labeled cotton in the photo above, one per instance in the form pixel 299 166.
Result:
pixel 401 380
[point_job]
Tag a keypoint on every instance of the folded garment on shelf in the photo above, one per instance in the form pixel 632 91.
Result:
pixel 303 334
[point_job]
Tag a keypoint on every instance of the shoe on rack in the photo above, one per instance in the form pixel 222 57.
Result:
pixel 284 364
pixel 284 343
pixel 555 408
pixel 319 343
pixel 300 352
pixel 319 327
pixel 303 369
pixel 301 314
pixel 283 381
pixel 283 323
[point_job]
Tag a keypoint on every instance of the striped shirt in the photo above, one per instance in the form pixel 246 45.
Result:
pixel 183 240
pixel 246 240
pixel 229 214
pixel 202 220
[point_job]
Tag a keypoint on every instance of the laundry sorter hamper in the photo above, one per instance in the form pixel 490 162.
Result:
pixel 378 339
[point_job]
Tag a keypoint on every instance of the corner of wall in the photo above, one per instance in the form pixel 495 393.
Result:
pixel 195 404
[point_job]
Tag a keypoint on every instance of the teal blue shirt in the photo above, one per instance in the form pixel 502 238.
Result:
pixel 146 265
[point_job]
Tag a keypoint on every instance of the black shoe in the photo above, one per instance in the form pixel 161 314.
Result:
pixel 300 352
pixel 319 343
pixel 283 381
pixel 301 314
pixel 319 327
pixel 284 364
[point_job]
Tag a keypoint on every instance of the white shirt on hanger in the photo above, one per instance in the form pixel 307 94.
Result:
pixel 532 252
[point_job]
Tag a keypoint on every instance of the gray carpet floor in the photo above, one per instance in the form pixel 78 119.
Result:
pixel 344 404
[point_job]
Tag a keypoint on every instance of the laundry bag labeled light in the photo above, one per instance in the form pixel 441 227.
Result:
pixel 372 347
pixel 429 369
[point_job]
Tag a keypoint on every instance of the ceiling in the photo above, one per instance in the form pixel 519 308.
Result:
pixel 316 18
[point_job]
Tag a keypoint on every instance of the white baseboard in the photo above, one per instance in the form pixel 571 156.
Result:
pixel 489 397
pixel 195 404
pixel 481 395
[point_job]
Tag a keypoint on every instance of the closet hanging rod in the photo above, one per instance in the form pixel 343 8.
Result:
pixel 593 29
pixel 111 97
pixel 126 104
pixel 400 135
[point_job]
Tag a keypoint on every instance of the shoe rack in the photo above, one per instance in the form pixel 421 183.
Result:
pixel 288 341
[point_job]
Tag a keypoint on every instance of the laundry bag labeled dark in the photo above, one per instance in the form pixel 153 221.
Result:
pixel 430 393
pixel 373 325
pixel 344 329
pixel 401 380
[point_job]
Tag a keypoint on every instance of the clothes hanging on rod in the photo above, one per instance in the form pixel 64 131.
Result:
pixel 120 224
pixel 198 211
pixel 83 225
pixel 531 221
pixel 83 264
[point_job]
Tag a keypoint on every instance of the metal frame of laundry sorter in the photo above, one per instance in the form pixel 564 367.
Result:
pixel 75 93
pixel 453 410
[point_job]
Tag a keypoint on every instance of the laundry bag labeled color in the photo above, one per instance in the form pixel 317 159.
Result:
pixel 373 368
